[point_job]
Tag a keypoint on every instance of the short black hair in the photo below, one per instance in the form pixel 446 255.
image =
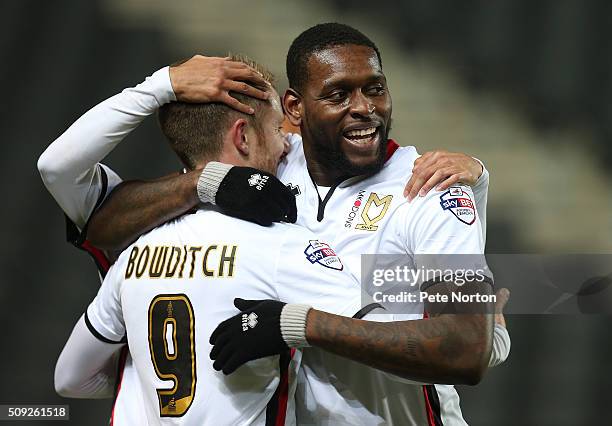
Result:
pixel 316 39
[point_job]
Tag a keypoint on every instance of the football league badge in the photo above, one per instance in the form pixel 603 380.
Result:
pixel 459 202
pixel 323 254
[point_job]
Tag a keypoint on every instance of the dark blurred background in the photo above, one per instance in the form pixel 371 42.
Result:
pixel 523 85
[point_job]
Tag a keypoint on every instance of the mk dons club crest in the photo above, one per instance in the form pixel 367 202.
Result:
pixel 323 254
pixel 459 203
pixel 373 211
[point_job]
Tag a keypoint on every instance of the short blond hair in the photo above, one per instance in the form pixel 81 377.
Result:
pixel 195 131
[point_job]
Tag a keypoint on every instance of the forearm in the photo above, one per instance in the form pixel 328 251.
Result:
pixel 95 134
pixel 135 207
pixel 69 165
pixel 452 349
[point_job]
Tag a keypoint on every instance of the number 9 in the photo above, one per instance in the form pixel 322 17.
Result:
pixel 172 346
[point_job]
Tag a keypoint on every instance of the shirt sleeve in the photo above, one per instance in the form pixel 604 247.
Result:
pixel 104 316
pixel 70 166
pixel 442 231
pixel 443 223
pixel 310 272
pixel 501 346
pixel 86 368
pixel 481 192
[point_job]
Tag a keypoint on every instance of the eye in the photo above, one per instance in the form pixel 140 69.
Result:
pixel 337 95
pixel 375 90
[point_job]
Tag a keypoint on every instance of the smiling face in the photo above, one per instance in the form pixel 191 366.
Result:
pixel 346 110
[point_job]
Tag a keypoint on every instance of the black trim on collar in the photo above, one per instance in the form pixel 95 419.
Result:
pixel 323 202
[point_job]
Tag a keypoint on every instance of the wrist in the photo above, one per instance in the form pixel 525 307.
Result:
pixel 160 85
pixel 293 321
pixel 190 186
pixel 175 82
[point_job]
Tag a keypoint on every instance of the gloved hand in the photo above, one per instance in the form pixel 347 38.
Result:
pixel 247 193
pixel 256 332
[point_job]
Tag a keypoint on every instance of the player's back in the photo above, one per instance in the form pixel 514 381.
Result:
pixel 179 283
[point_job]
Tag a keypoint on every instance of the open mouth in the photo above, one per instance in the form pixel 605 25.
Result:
pixel 362 136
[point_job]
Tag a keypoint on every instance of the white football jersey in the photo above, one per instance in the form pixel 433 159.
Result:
pixel 172 287
pixel 370 215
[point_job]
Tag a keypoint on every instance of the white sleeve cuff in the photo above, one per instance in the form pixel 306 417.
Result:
pixel 293 324
pixel 159 85
pixel 483 179
pixel 210 179
pixel 501 345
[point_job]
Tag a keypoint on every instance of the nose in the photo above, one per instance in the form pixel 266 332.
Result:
pixel 360 105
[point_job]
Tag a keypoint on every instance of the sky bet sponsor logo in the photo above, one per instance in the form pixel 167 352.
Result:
pixel 323 254
pixel 460 204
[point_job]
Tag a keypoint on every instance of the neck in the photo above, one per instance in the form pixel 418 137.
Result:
pixel 321 174
pixel 231 156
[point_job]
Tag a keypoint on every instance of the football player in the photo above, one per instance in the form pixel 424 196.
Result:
pixel 70 170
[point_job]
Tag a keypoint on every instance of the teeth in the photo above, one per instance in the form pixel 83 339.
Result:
pixel 363 132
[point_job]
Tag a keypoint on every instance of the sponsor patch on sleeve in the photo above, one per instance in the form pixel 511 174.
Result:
pixel 460 203
pixel 323 254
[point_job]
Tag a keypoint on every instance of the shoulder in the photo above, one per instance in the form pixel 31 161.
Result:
pixel 402 159
pixel 455 203
pixel 405 152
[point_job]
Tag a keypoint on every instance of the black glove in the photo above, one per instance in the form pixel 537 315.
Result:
pixel 252 334
pixel 247 193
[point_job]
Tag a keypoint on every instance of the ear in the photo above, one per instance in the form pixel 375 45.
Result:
pixel 238 136
pixel 292 105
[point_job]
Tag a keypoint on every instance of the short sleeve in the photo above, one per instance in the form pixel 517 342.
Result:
pixel 443 233
pixel 102 183
pixel 481 192
pixel 104 316
pixel 113 179
pixel 309 271
pixel 444 223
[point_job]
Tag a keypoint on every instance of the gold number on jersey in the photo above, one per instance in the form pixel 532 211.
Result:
pixel 172 347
